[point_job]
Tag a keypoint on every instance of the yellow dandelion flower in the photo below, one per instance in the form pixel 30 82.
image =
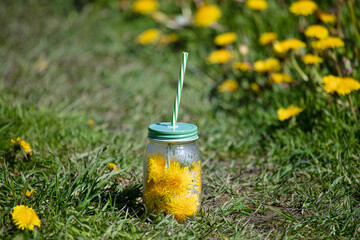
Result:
pixel 182 205
pixel 288 44
pixel 24 145
pixel 329 42
pixel 341 86
pixel 229 85
pixel 286 113
pixel 311 59
pixel 281 78
pixel 154 196
pixel 25 217
pixel 112 166
pixel 207 15
pixel 257 4
pixel 225 39
pixel 220 56
pixel 317 31
pixel 326 17
pixel 91 122
pixel 267 38
pixel 303 7
pixel 156 167
pixel 331 83
pixel 242 66
pixel 176 179
pixel 29 193
pixel 196 176
pixel 267 66
pixel 255 87
pixel 145 6
pixel 150 36
pixel 169 38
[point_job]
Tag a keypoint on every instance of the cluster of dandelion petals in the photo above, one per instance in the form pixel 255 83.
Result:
pixel 207 15
pixel 29 193
pixel 286 113
pixel 328 42
pixel 242 66
pixel 267 38
pixel 25 217
pixel 256 4
pixel 281 78
pixel 220 56
pixel 303 7
pixel 288 44
pixel 341 86
pixel 174 189
pixel 255 87
pixel 317 31
pixel 229 85
pixel 326 17
pixel 112 166
pixel 267 66
pixel 225 39
pixel 24 145
pixel 310 59
pixel 145 6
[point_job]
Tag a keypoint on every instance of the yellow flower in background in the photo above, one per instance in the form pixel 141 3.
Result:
pixel 41 65
pixel 225 38
pixel 220 56
pixel 303 7
pixel 317 31
pixel 145 6
pixel 255 87
pixel 311 59
pixel 156 166
pixel 257 4
pixel 169 38
pixel 112 166
pixel 150 36
pixel 267 66
pixel 207 15
pixel 24 145
pixel 25 217
pixel 326 17
pixel 288 44
pixel 182 205
pixel 29 193
pixel 242 66
pixel 286 113
pixel 281 78
pixel 229 85
pixel 331 83
pixel 341 86
pixel 329 42
pixel 267 38
pixel 91 122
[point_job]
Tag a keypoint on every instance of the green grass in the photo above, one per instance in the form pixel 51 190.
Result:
pixel 261 178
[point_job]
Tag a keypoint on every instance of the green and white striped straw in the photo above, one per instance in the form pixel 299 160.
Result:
pixel 179 88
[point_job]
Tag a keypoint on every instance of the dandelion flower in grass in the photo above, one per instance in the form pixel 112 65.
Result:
pixel 91 122
pixel 145 6
pixel 317 31
pixel 331 83
pixel 326 17
pixel 156 167
pixel 25 217
pixel 24 145
pixel 309 59
pixel 229 85
pixel 150 36
pixel 257 4
pixel 169 38
pixel 220 56
pixel 255 87
pixel 207 15
pixel 288 44
pixel 303 7
pixel 267 38
pixel 112 166
pixel 267 66
pixel 281 78
pixel 328 42
pixel 176 179
pixel 182 205
pixel 286 113
pixel 341 86
pixel 242 66
pixel 29 193
pixel 225 39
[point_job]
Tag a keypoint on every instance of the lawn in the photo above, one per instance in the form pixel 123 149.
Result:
pixel 77 85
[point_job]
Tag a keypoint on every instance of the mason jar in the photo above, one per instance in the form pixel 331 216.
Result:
pixel 172 170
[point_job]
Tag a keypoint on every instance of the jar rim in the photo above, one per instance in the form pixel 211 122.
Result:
pixel 164 131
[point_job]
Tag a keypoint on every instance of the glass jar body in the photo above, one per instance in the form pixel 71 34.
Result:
pixel 172 178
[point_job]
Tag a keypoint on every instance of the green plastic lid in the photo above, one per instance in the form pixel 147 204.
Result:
pixel 165 132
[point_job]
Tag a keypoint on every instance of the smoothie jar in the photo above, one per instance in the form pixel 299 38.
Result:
pixel 172 170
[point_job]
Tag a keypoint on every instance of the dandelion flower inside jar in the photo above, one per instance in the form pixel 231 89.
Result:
pixel 172 168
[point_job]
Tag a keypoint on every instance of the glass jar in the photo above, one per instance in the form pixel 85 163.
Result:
pixel 172 170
